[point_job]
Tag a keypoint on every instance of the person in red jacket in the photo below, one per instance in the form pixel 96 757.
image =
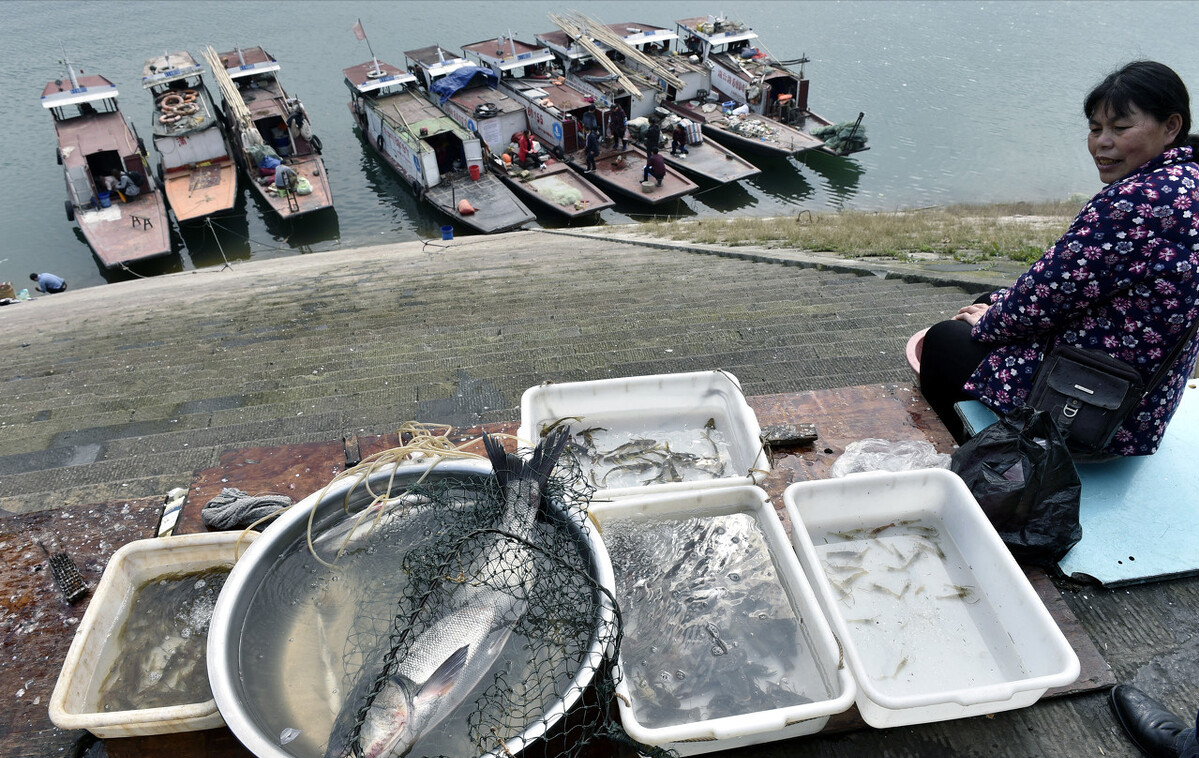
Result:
pixel 655 167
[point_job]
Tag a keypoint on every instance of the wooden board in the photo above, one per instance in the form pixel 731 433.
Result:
pixel 36 624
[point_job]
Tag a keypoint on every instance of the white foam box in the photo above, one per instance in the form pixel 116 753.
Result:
pixel 829 683
pixel 73 704
pixel 654 406
pixel 936 618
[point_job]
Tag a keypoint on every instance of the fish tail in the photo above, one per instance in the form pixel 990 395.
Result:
pixel 509 467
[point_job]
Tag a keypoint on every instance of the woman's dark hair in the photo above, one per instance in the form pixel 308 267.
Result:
pixel 1153 88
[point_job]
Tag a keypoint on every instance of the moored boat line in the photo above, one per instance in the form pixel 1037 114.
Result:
pixel 96 142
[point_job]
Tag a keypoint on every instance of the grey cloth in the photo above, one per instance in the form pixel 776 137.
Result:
pixel 234 509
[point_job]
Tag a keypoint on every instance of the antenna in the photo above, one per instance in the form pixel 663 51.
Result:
pixel 70 69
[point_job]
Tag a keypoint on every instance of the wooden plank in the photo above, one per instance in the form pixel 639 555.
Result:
pixel 36 624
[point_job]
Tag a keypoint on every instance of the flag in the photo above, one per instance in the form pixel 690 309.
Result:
pixel 359 32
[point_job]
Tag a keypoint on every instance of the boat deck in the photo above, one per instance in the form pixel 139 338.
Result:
pixel 619 171
pixel 756 134
pixel 201 190
pixel 711 161
pixel 496 208
pixel 563 97
pixel 558 188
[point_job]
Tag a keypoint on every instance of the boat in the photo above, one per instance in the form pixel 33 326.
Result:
pixel 754 101
pixel 196 167
pixel 471 98
pixel 95 139
pixel 554 110
pixel 267 125
pixel 645 49
pixel 438 158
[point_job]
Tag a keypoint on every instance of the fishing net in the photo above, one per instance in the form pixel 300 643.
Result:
pixel 478 579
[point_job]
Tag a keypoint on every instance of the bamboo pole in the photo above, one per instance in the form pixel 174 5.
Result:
pixel 589 45
pixel 617 43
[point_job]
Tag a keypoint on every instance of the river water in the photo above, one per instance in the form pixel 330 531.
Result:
pixel 964 102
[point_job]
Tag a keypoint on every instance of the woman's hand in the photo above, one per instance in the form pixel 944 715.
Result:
pixel 971 313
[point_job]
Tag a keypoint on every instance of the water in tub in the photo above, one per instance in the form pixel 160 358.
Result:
pixel 623 450
pixel 912 603
pixel 312 632
pixel 709 630
pixel 158 660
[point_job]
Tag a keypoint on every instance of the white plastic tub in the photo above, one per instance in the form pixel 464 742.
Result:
pixel 741 613
pixel 692 412
pixel 936 619
pixel 73 705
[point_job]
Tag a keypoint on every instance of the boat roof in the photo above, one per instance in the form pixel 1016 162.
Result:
pixel 559 40
pixel 563 96
pixel 735 31
pixel 366 78
pixel 169 67
pixel 437 60
pixel 639 34
pixel 91 88
pixel 506 53
pixel 248 61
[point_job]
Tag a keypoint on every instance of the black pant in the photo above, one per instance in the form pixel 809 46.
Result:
pixel 947 360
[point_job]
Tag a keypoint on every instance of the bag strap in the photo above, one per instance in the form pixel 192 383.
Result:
pixel 1170 360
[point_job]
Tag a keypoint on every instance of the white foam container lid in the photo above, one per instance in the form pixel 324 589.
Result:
pixel 629 400
pixel 757 727
pixel 133 565
pixel 928 637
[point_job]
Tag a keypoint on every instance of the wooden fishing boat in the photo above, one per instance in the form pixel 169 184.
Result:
pixel 754 100
pixel 626 71
pixel 94 139
pixel 554 110
pixel 196 167
pixel 440 160
pixel 474 101
pixel 266 123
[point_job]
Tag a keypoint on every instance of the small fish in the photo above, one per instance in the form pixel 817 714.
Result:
pixel 547 429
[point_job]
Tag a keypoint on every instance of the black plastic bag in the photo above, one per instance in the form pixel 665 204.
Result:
pixel 1022 475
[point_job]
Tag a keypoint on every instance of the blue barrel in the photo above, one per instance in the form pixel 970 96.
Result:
pixel 104 199
pixel 447 232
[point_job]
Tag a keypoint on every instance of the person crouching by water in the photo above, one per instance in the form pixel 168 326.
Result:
pixel 49 283
pixel 655 167
pixel 591 150
pixel 1122 279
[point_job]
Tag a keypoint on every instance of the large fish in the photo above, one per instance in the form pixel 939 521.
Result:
pixel 453 655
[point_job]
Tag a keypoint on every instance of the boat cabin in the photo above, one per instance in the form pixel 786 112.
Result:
pixel 510 58
pixel 661 45
pixel 253 70
pixel 413 134
pixel 741 70
pixel 83 108
pixel 187 132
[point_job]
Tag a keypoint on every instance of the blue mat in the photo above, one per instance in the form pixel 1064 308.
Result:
pixel 1140 515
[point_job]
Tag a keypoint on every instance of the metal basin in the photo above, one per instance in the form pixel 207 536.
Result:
pixel 243 706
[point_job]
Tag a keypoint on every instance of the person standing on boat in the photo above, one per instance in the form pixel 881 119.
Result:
pixel 48 283
pixel 653 135
pixel 655 167
pixel 618 122
pixel 591 118
pixel 591 150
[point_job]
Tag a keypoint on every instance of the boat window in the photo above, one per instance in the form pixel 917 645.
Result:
pixel 448 149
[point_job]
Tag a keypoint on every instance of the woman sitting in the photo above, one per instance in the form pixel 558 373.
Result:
pixel 1122 279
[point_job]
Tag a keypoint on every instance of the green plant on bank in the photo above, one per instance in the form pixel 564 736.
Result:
pixel 1015 231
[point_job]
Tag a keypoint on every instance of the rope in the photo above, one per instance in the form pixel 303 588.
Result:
pixel 218 244
pixel 235 509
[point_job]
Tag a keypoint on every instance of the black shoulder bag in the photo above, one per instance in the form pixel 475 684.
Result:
pixel 1089 394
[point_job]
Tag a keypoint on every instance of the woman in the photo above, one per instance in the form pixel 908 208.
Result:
pixel 1122 279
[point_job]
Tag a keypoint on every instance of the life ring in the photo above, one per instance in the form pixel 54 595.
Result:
pixel 186 109
pixel 189 95
pixel 171 101
pixel 169 118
